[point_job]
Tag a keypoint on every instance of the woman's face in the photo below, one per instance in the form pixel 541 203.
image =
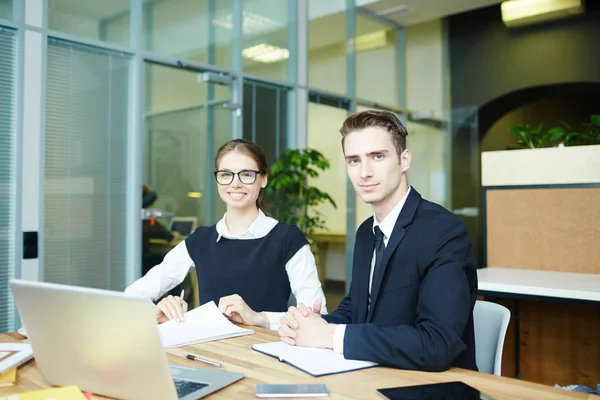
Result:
pixel 238 181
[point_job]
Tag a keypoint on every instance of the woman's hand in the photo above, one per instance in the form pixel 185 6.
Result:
pixel 236 309
pixel 171 307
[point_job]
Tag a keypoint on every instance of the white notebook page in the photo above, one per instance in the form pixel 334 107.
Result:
pixel 202 324
pixel 311 360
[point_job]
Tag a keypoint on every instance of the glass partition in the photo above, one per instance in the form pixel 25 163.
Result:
pixel 265 117
pixel 376 61
pixel 107 21
pixel 8 173
pixel 182 131
pixel 466 174
pixel 201 31
pixel 6 9
pixel 327 45
pixel 265 46
pixel 324 122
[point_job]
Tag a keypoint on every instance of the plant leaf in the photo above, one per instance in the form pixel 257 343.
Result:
pixel 555 133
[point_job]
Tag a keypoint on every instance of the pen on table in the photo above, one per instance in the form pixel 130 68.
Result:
pixel 181 301
pixel 194 358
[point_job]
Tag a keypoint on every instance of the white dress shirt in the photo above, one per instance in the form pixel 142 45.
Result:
pixel 386 226
pixel 301 269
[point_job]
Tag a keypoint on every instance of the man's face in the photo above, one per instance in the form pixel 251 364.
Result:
pixel 373 165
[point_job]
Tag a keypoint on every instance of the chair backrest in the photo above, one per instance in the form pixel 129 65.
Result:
pixel 490 321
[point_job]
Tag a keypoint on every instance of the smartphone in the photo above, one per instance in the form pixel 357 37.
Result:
pixel 268 391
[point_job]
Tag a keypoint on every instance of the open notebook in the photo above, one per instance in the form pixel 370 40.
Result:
pixel 316 362
pixel 202 324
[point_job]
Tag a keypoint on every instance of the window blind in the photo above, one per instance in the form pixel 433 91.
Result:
pixel 86 148
pixel 8 82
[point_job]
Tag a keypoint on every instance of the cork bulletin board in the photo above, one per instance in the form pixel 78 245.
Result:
pixel 543 228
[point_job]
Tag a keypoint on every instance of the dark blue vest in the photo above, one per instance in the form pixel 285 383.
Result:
pixel 252 268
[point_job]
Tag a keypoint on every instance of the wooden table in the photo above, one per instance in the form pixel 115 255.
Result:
pixel 236 355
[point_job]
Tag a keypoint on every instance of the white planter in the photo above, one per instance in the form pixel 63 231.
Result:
pixel 545 166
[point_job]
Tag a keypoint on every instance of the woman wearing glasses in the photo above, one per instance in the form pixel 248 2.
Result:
pixel 247 263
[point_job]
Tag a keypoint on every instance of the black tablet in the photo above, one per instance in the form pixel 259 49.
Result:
pixel 435 391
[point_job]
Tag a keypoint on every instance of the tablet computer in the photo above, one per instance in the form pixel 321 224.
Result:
pixel 435 391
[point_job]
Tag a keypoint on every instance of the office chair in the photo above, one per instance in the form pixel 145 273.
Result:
pixel 490 321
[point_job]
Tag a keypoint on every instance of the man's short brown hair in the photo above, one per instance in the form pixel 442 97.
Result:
pixel 373 118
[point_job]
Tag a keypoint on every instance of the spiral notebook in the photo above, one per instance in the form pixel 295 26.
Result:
pixel 315 362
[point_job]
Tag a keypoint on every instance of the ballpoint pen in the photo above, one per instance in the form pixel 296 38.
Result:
pixel 194 358
pixel 181 295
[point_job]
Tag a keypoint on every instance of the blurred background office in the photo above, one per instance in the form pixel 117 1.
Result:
pixel 100 97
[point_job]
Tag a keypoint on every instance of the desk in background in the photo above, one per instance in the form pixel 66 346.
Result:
pixel 322 243
pixel 236 355
pixel 576 327
pixel 539 215
pixel 537 284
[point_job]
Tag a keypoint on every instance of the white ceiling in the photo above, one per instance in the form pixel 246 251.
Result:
pixel 425 10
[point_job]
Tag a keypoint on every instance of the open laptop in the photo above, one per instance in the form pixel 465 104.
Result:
pixel 106 343
pixel 185 226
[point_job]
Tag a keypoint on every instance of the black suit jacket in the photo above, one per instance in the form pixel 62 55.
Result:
pixel 421 315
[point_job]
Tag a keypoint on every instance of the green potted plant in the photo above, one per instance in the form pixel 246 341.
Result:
pixel 563 135
pixel 559 155
pixel 290 197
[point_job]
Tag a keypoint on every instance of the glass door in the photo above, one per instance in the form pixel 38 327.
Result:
pixel 466 174
pixel 265 121
pixel 185 122
pixel 326 115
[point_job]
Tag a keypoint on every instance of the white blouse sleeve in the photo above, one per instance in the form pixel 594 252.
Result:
pixel 304 282
pixel 164 276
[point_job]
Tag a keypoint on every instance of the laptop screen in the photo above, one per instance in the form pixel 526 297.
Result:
pixel 184 228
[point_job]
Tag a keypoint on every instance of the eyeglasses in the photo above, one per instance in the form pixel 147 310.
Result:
pixel 246 176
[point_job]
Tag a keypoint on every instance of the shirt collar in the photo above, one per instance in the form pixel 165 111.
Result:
pixel 387 225
pixel 259 228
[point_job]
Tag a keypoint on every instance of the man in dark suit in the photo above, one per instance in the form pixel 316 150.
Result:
pixel 414 277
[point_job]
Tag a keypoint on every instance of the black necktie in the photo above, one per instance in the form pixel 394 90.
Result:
pixel 379 248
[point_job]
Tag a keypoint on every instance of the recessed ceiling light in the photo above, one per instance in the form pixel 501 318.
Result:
pixel 394 11
pixel 266 53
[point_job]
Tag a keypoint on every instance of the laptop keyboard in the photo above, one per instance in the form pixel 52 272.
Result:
pixel 186 387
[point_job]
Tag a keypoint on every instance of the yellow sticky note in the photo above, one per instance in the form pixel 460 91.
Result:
pixel 9 378
pixel 59 393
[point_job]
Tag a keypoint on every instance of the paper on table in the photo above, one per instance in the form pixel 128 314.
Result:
pixel 14 354
pixel 316 362
pixel 202 324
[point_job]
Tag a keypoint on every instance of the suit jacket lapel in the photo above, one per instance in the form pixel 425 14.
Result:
pixel 366 256
pixel 404 219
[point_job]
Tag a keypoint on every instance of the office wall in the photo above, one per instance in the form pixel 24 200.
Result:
pixel 424 68
pixel 425 93
pixel 77 25
pixel 488 60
